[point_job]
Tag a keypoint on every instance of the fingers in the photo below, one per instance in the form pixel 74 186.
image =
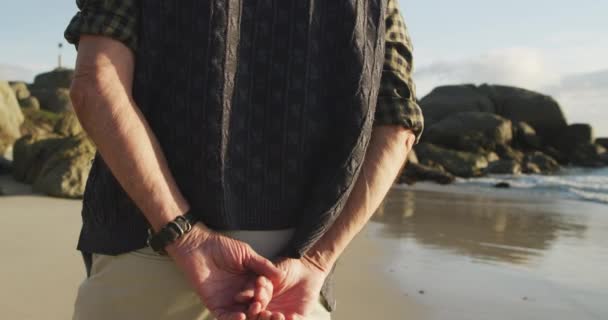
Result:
pixel 231 316
pixel 277 316
pixel 254 310
pixel 264 267
pixel 248 292
pixel 263 291
pixel 265 315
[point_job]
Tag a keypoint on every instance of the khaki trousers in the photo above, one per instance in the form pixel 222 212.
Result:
pixel 143 285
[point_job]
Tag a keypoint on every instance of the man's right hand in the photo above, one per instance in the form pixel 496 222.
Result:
pixel 219 267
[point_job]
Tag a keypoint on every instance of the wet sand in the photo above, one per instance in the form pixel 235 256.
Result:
pixel 427 254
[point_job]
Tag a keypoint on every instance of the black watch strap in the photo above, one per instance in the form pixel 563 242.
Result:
pixel 171 232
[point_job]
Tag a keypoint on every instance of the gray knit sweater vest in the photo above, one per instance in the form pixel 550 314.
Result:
pixel 263 109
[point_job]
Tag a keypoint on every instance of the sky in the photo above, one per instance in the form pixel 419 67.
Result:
pixel 558 47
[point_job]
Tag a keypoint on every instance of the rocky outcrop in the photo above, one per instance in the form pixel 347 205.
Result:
pixel 540 111
pixel 525 137
pixel 11 117
pixel 459 163
pixel 445 101
pixel 538 161
pixel 470 131
pixel 54 164
pixel 54 99
pixel 30 103
pixel 68 125
pixel 504 167
pixel 58 78
pixel 20 89
pixel 52 90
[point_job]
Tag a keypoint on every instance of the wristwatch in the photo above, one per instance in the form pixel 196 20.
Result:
pixel 171 232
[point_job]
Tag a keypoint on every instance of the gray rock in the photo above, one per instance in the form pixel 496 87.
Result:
pixel 55 165
pixel 504 167
pixel 20 89
pixel 502 185
pixel 542 112
pixel 492 156
pixel 29 103
pixel 524 136
pixel 30 153
pixel 602 142
pixel 58 78
pixel 505 152
pixel 446 101
pixel 65 173
pixel 11 116
pixel 68 125
pixel 545 163
pixel 587 155
pixel 5 165
pixel 53 99
pixel 530 168
pixel 574 135
pixel 459 163
pixel 470 131
pixel 417 172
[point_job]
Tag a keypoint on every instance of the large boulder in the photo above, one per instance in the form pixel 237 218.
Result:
pixel 418 172
pixel 65 173
pixel 11 116
pixel 53 99
pixel 542 112
pixel 30 153
pixel 506 152
pixel 470 131
pixel 446 101
pixel 20 89
pixel 55 165
pixel 459 163
pixel 525 137
pixel 587 155
pixel 572 136
pixel 539 160
pixel 68 125
pixel 52 89
pixel 58 78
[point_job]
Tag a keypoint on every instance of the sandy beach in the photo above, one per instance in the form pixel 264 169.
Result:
pixel 427 254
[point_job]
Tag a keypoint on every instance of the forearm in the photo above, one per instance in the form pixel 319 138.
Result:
pixel 385 156
pixel 101 95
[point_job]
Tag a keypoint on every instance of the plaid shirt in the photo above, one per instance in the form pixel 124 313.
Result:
pixel 397 104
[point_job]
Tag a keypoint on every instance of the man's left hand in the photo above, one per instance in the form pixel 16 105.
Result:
pixel 296 295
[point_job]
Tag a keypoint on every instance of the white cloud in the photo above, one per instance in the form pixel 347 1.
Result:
pixel 523 67
pixel 12 72
pixel 584 96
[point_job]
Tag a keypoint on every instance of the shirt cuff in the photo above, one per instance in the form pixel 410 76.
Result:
pixel 397 104
pixel 96 18
pixel 399 111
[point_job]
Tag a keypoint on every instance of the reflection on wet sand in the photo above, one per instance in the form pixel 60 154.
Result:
pixel 484 228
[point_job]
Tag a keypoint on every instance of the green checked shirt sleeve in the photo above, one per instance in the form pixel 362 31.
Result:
pixel 397 97
pixel 116 19
pixel 396 102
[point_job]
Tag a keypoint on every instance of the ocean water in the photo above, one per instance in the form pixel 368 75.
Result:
pixel 571 183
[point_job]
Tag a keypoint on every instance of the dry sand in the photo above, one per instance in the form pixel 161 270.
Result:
pixel 426 255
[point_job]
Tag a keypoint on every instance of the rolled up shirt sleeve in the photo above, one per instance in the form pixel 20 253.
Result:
pixel 116 19
pixel 397 103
